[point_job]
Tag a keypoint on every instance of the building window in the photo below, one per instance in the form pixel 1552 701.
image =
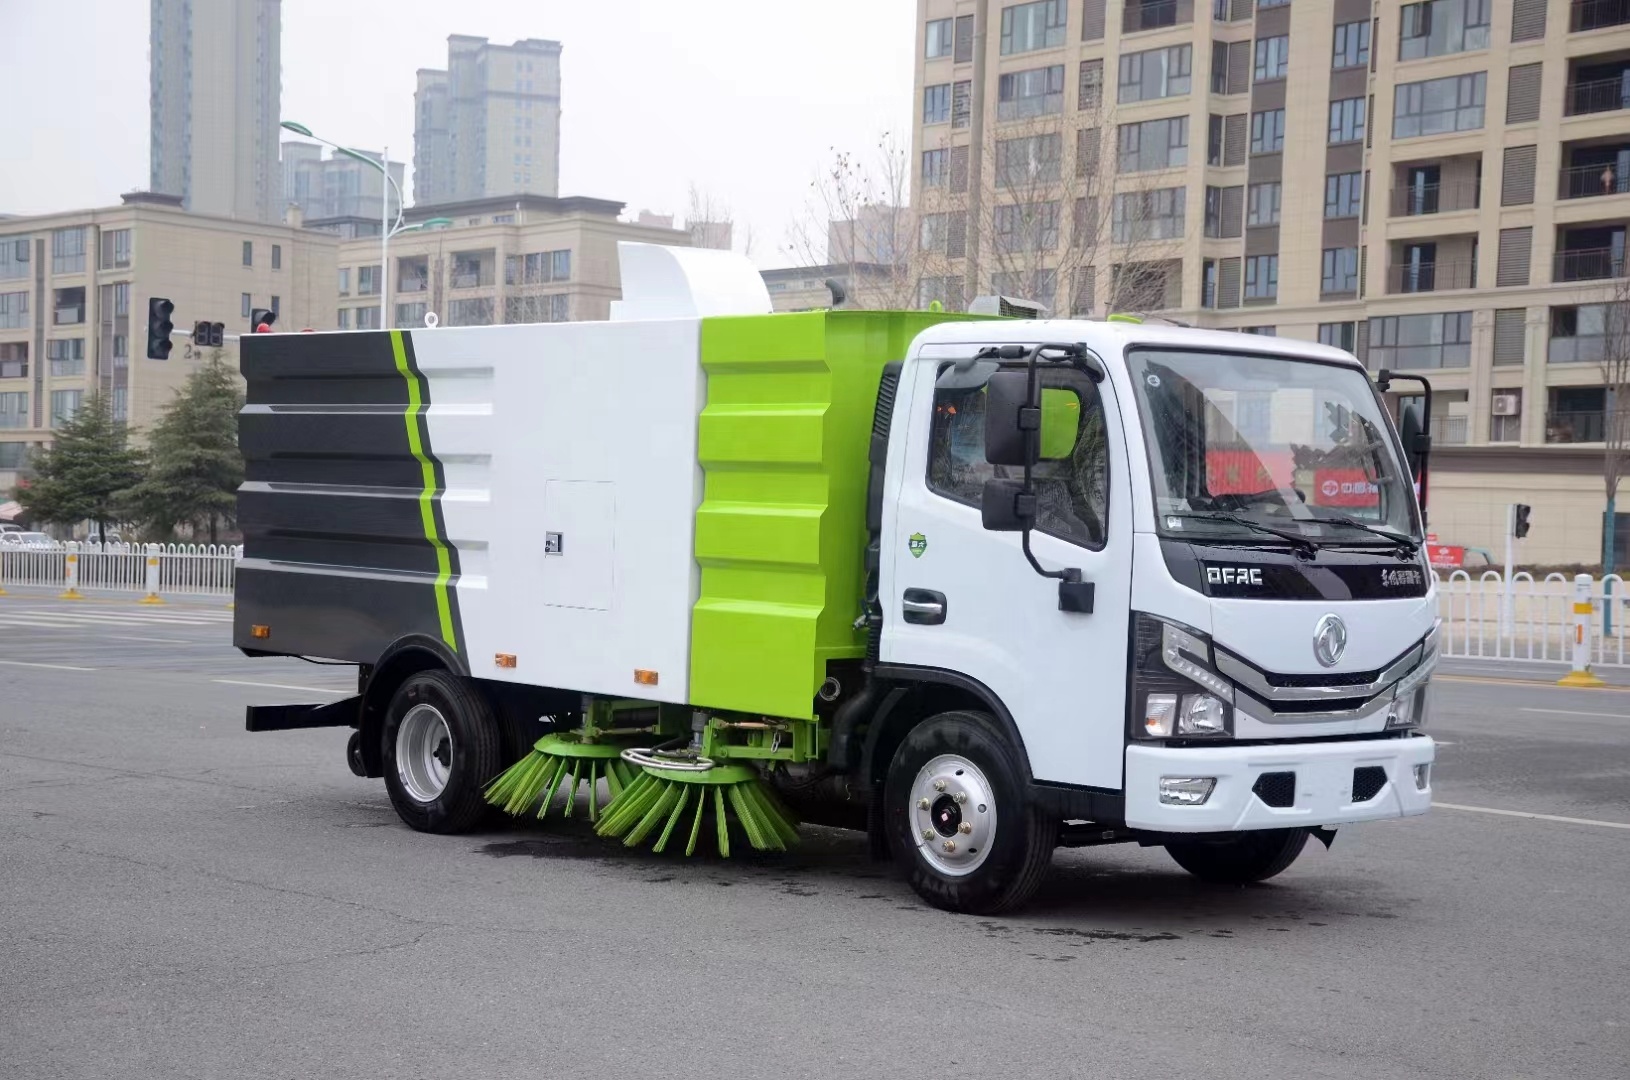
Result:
pixel 1158 73
pixel 13 257
pixel 936 168
pixel 945 291
pixel 1439 106
pixel 277 256
pixel 345 281
pixel 1268 131
pixel 1343 195
pixel 14 410
pixel 1352 46
pixel 1208 284
pixel 538 268
pixel 13 455
pixel 1148 215
pixel 1505 416
pixel 1406 342
pixel 277 305
pixel 67 357
pixel 68 307
pixel 1346 121
pixel 1582 333
pixel 1214 140
pixel 937 104
pixel 1040 286
pixel 1340 273
pixel 248 306
pixel 1441 27
pixel 1577 414
pixel 14 360
pixel 1028 27
pixel 1028 161
pixel 1027 227
pixel 937 41
pixel 13 311
pixel 413 314
pixel 933 232
pixel 1258 411
pixel 1021 95
pixel 1272 58
pixel 1339 335
pixel 345 318
pixel 961 103
pixel 1261 277
pixel 115 249
pixel 368 318
pixel 1153 144
pixel 68 251
pixel 248 253
pixel 1091 91
pixel 1072 500
pixel 1262 204
pixel 368 281
pixel 64 404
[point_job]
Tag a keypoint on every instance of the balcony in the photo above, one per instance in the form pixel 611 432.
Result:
pixel 413 275
pixel 1449 430
pixel 1589 264
pixel 68 308
pixel 1140 15
pixel 1414 200
pixel 1593 181
pixel 1436 276
pixel 1597 85
pixel 1586 15
pixel 412 284
pixel 1576 426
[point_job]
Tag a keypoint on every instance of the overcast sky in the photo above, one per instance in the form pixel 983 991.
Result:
pixel 745 98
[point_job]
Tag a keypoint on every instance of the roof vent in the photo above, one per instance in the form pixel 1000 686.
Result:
pixel 1010 307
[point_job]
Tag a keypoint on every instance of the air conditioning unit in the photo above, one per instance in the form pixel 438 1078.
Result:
pixel 1507 405
pixel 1010 307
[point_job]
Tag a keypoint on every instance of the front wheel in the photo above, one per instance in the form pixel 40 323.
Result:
pixel 958 820
pixel 1240 858
pixel 441 745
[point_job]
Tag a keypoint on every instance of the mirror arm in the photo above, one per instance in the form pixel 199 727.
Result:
pixel 1073 593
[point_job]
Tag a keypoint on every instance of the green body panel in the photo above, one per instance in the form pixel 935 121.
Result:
pixel 781 532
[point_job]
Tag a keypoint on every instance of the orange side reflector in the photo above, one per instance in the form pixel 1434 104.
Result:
pixel 259 631
pixel 504 659
pixel 644 677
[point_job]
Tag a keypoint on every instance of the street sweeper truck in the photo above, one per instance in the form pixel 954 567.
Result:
pixel 980 587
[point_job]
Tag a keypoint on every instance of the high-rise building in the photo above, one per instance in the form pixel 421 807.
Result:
pixel 216 87
pixel 336 186
pixel 489 125
pixel 1439 187
pixel 74 288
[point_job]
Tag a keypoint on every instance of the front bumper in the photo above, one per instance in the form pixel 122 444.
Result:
pixel 1323 790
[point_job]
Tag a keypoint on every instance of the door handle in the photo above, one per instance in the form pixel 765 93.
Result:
pixel 923 607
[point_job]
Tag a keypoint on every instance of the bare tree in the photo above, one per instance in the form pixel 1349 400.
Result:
pixel 1060 213
pixel 1615 320
pixel 856 219
pixel 710 221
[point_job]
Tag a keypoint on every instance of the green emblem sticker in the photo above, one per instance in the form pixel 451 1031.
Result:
pixel 918 545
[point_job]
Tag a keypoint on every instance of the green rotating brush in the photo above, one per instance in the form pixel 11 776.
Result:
pixel 681 792
pixel 562 763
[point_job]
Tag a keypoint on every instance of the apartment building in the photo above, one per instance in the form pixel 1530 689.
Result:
pixel 1440 187
pixel 805 288
pixel 74 288
pixel 519 259
pixel 334 186
pixel 216 88
pixel 489 124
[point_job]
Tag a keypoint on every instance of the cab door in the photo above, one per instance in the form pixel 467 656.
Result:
pixel 958 598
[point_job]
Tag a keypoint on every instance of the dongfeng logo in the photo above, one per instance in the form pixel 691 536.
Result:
pixel 1329 640
pixel 1393 579
pixel 1233 575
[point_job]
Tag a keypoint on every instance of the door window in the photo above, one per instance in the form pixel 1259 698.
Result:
pixel 1072 480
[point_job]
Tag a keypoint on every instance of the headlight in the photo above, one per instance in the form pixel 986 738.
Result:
pixel 1408 709
pixel 1171 666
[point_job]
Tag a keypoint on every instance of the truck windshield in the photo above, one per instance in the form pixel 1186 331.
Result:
pixel 1248 448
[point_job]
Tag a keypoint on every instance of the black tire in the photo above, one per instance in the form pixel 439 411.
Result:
pixel 474 757
pixel 1021 847
pixel 1240 858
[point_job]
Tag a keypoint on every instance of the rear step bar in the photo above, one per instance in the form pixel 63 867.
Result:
pixel 345 713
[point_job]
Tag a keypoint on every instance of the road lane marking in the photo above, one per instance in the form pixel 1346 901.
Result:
pixel 278 686
pixel 1493 680
pixel 52 667
pixel 111 617
pixel 1578 712
pixel 1535 817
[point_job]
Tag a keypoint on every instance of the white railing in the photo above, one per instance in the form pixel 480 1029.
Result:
pixel 1532 620
pixel 145 569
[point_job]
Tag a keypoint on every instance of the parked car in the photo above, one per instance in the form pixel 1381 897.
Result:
pixel 110 538
pixel 32 540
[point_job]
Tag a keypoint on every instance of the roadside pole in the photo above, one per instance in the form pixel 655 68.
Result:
pixel 71 575
pixel 1581 674
pixel 1505 597
pixel 152 596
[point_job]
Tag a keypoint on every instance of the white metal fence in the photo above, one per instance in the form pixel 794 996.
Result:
pixel 1532 619
pixel 162 569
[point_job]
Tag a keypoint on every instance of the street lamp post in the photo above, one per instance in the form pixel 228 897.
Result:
pixel 386 229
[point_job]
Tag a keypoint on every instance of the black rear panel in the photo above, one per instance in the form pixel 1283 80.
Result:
pixel 341 557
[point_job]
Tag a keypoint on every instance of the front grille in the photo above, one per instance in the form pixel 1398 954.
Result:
pixel 1324 678
pixel 1368 782
pixel 1277 789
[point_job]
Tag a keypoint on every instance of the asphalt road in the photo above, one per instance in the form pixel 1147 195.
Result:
pixel 181 899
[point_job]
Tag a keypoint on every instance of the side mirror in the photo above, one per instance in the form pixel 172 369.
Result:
pixel 1417 442
pixel 1009 416
pixel 1004 506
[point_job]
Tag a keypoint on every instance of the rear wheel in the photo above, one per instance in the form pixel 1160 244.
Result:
pixel 441 745
pixel 958 820
pixel 1240 858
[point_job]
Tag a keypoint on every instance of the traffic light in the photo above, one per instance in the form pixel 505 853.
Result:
pixel 259 317
pixel 159 326
pixel 1519 527
pixel 208 335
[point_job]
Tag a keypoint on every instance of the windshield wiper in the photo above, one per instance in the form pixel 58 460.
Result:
pixel 1300 543
pixel 1404 542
